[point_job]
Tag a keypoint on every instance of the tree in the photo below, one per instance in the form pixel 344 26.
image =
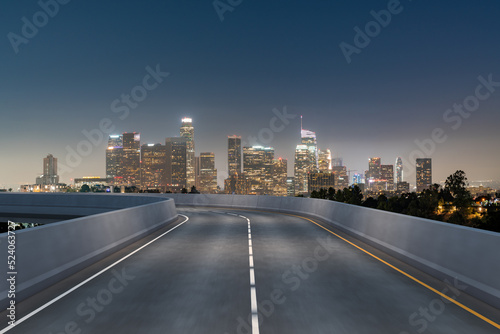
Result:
pixel 339 196
pixel 85 188
pixel 10 190
pixel 356 196
pixel 331 194
pixel 457 185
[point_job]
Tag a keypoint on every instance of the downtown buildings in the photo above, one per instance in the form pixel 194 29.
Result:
pixel 424 174
pixel 169 167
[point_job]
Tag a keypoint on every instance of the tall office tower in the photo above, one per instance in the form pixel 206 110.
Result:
pixel 399 170
pixel 49 175
pixel 290 187
pixel 208 173
pixel 130 159
pixel 387 174
pixel 197 172
pixel 236 184
pixel 424 174
pixel 279 177
pixel 374 168
pixel 234 155
pixel 187 131
pixel 301 167
pixel 337 162
pixel 257 165
pixel 306 159
pixel 114 153
pixel 154 167
pixel 308 138
pixel 318 181
pixel 176 163
pixel 325 160
pixel 341 177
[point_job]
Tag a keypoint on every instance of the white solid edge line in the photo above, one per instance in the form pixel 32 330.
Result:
pixel 26 317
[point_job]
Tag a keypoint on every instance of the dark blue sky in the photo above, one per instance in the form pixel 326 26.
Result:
pixel 230 75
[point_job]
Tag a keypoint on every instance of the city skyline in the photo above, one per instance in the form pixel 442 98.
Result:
pixel 410 168
pixel 379 104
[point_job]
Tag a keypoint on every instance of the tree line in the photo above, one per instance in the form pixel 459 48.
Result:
pixel 452 203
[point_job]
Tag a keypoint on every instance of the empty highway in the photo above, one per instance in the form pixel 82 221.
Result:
pixel 231 271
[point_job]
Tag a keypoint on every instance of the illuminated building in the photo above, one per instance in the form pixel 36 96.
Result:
pixel 341 178
pixel 279 177
pixel 399 170
pixel 176 163
pixel 403 187
pixel 301 167
pixel 236 184
pixel 43 188
pixel 306 159
pixel 387 174
pixel 208 173
pixel 357 178
pixel 233 155
pixel 317 181
pixel 187 131
pixel 290 187
pixel 98 183
pixel 114 151
pixel 424 174
pixel 154 161
pixel 325 160
pixel 49 175
pixel 130 160
pixel 257 165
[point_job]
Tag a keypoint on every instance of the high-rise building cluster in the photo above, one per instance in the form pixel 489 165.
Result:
pixel 254 170
pixel 171 166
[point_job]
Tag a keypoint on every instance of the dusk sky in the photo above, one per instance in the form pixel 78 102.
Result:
pixel 229 76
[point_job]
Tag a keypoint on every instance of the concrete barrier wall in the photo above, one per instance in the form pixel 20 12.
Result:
pixel 50 253
pixel 443 250
pixel 78 204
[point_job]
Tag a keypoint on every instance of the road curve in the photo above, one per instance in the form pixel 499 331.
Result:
pixel 197 278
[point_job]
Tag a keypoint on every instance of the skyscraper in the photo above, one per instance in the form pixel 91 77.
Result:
pixel 279 177
pixel 306 159
pixel 187 131
pixel 234 155
pixel 130 159
pixel 208 173
pixel 114 152
pixel 49 175
pixel 302 166
pixel 424 174
pixel 318 181
pixel 325 160
pixel 257 165
pixel 176 163
pixel 374 168
pixel 154 166
pixel 399 170
pixel 341 177
pixel 387 174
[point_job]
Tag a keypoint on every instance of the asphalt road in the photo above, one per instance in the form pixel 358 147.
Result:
pixel 198 279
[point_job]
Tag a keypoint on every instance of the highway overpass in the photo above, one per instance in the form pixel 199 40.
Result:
pixel 246 264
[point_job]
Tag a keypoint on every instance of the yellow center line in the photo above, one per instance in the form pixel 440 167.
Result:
pixel 480 316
